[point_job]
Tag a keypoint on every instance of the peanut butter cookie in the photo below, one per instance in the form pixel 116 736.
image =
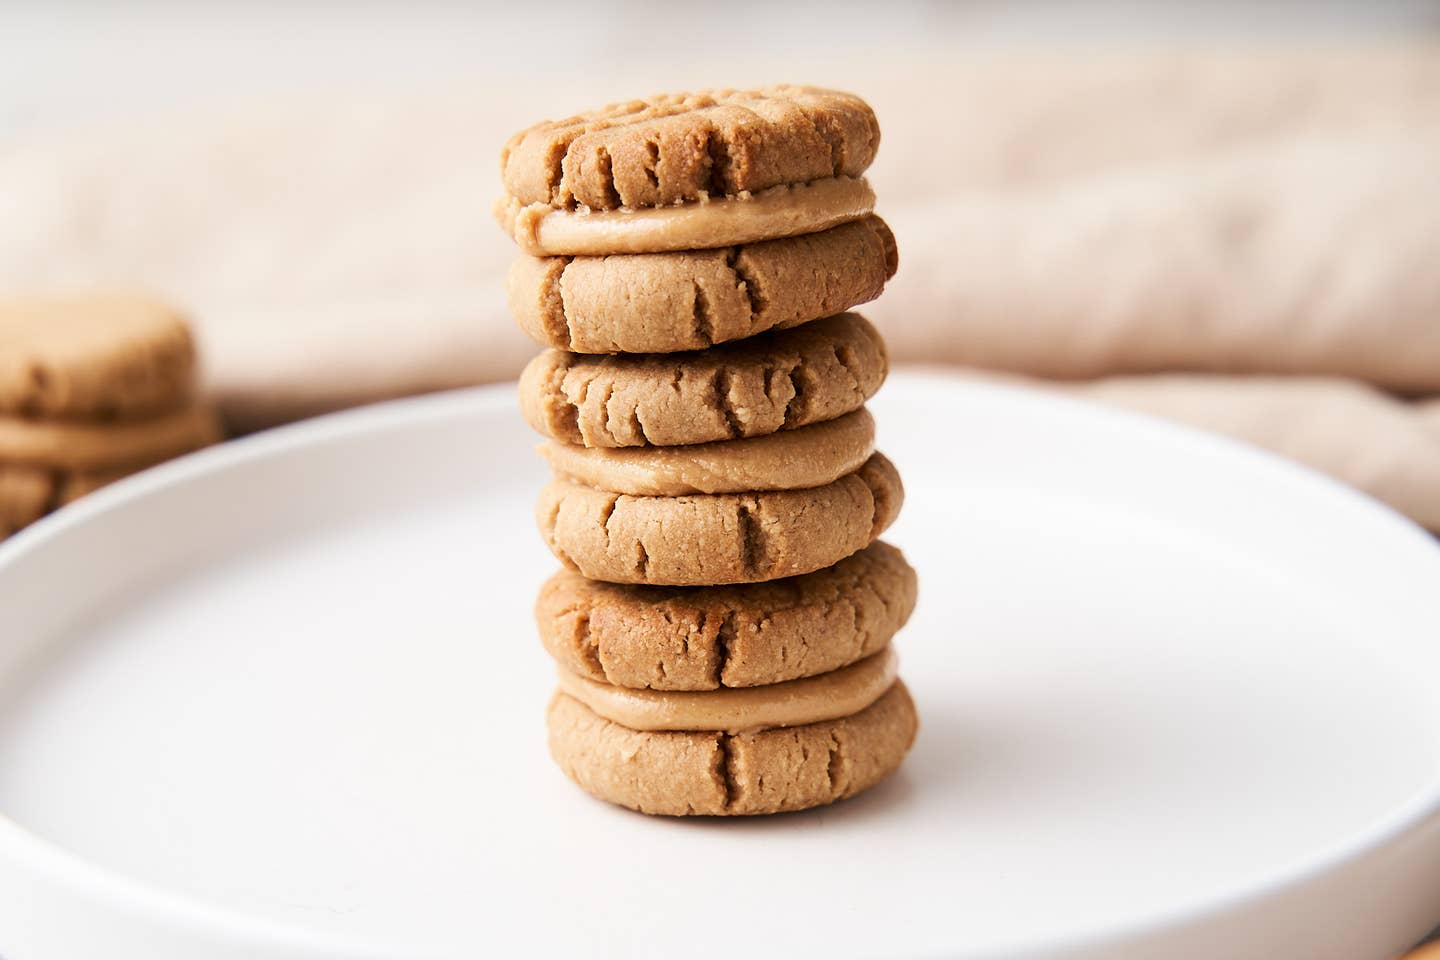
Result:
pixel 719 538
pixel 719 774
pixel 689 171
pixel 705 638
pixel 777 381
pixel 95 357
pixel 681 147
pixel 667 302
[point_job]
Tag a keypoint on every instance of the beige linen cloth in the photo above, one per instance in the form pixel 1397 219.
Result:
pixel 1248 242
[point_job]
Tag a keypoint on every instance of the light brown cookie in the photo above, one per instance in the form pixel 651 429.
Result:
pixel 681 147
pixel 717 774
pixel 776 381
pixel 704 638
pixel 94 357
pixel 103 447
pixel 719 538
pixel 791 460
pixel 667 302
pixel 25 495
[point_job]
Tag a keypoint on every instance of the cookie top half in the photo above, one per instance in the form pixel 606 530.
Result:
pixel 682 147
pixel 103 356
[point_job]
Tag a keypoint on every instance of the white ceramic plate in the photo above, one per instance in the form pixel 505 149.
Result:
pixel 283 699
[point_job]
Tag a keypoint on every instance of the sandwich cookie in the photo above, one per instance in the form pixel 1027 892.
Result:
pixel 706 638
pixel 689 171
pixel 684 773
pixel 777 381
pixel 717 538
pixel 668 302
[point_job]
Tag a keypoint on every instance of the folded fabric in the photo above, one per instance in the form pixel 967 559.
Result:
pixel 267 366
pixel 1359 435
pixel 1307 258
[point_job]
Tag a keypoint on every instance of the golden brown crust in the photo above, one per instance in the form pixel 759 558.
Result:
pixel 720 538
pixel 669 302
pixel 776 381
pixel 704 638
pixel 96 357
pixel 683 147
pixel 715 774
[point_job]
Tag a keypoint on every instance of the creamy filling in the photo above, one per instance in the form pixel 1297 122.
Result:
pixel 78 445
pixel 794 703
pixel 790 460
pixel 784 211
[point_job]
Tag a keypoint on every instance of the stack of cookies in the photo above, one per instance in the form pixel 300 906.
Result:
pixel 91 389
pixel 723 622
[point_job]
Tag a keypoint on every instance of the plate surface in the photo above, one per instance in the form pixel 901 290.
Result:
pixel 284 699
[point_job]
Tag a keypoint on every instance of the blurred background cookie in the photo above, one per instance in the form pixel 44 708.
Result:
pixel 106 356
pixel 92 389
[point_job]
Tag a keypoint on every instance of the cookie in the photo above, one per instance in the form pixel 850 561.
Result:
pixel 668 302
pixel 681 147
pixel 719 774
pixel 794 703
pixel 25 495
pixel 717 538
pixel 689 171
pixel 776 381
pixel 77 446
pixel 791 460
pixel 704 638
pixel 93 357
pixel 783 211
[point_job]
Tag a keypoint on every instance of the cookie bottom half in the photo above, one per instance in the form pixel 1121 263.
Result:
pixel 710 540
pixel 707 638
pixel 717 774
pixel 694 299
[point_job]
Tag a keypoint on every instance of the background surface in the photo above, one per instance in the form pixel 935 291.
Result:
pixel 69 61
pixel 73 75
